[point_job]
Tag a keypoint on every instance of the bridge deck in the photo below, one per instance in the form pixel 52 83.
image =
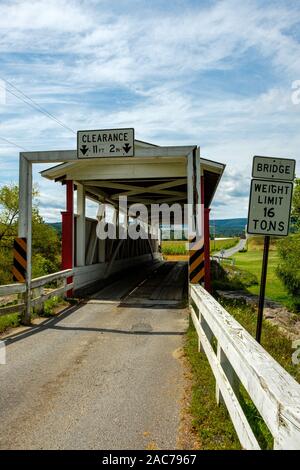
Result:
pixel 155 284
pixel 104 375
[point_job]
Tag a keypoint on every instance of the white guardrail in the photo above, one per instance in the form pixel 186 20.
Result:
pixel 38 296
pixel 236 358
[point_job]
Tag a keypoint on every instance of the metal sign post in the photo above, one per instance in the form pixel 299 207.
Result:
pixel 269 210
pixel 262 288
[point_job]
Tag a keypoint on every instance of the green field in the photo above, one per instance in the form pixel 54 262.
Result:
pixel 13 320
pixel 252 261
pixel 178 247
pixel 218 245
pixel 174 247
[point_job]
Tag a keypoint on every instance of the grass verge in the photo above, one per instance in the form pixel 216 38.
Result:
pixel 218 245
pixel 272 340
pixel 252 261
pixel 51 307
pixel 212 423
pixel 9 321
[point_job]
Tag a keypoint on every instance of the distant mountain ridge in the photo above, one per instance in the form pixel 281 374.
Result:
pixel 228 227
pixel 222 227
pixel 56 226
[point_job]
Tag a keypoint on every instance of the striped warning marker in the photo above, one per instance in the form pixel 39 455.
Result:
pixel 20 260
pixel 196 261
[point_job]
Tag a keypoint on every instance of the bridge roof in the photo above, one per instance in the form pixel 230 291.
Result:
pixel 155 174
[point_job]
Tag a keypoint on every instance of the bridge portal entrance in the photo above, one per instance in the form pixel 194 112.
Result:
pixel 155 175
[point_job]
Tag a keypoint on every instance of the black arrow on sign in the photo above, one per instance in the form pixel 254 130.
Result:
pixel 127 147
pixel 84 149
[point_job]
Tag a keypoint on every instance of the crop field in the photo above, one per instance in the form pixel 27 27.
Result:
pixel 179 247
pixel 218 245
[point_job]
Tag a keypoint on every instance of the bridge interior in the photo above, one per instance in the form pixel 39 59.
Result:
pixel 129 269
pixel 156 284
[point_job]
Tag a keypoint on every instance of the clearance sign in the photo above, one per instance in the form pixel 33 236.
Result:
pixel 105 143
pixel 270 196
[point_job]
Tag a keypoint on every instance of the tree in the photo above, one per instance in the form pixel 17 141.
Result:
pixel 46 247
pixel 45 239
pixel 9 196
pixel 288 268
pixel 296 205
pixel 9 205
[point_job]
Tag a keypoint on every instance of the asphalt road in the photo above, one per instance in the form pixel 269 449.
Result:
pixel 231 251
pixel 105 376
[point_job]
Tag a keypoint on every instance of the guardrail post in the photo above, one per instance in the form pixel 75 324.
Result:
pixel 21 300
pixel 230 374
pixel 36 293
pixel 64 286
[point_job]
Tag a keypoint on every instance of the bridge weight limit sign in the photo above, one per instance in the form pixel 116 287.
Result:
pixel 269 209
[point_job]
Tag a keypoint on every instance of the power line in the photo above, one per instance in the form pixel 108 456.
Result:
pixel 39 108
pixel 33 104
pixel 13 143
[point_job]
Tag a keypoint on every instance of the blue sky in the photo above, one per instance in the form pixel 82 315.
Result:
pixel 214 73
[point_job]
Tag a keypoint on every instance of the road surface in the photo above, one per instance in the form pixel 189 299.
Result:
pixel 231 251
pixel 104 375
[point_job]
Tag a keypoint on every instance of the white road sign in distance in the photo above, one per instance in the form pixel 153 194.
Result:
pixel 269 207
pixel 105 143
pixel 280 169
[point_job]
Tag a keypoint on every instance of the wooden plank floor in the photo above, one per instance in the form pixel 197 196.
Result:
pixel 172 286
pixel 166 285
pixel 162 283
pixel 125 283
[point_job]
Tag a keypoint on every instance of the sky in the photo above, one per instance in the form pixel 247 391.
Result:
pixel 224 75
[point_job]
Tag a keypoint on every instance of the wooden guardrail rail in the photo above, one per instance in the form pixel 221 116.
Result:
pixel 38 297
pixel 223 260
pixel 236 358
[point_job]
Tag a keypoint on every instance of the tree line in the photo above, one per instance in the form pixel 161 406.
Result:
pixel 288 248
pixel 46 243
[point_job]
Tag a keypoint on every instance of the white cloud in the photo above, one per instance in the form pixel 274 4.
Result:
pixel 50 15
pixel 129 47
pixel 163 65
